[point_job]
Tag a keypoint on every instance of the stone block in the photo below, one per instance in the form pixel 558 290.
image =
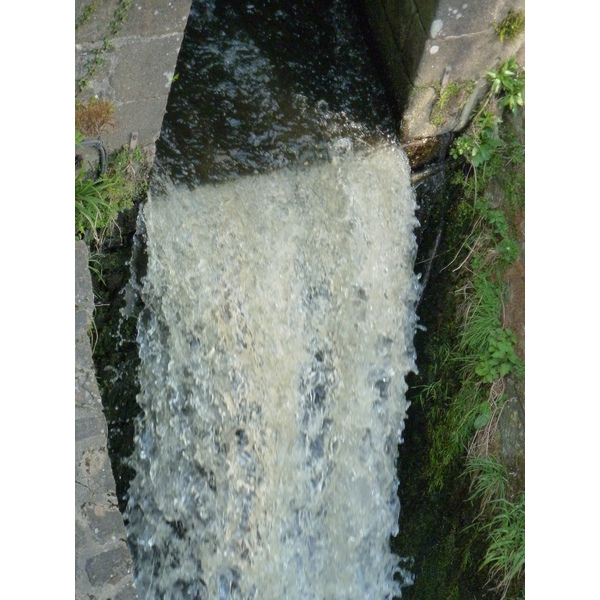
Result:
pixel 128 592
pixel 156 17
pixel 140 116
pixel 427 11
pixel 414 43
pixel 99 85
pixel 105 522
pixel 145 67
pixel 88 427
pixel 399 15
pixel 425 151
pixel 109 567
pixel 415 120
pixel 93 469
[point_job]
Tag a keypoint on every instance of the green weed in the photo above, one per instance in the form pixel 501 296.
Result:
pixel 509 84
pixel 454 95
pixel 478 147
pixel 96 59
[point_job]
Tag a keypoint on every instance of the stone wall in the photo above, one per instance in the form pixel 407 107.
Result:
pixel 428 45
pixel 127 51
pixel 103 565
pixel 138 66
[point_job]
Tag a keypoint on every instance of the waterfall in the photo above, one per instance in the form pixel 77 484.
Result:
pixel 279 314
pixel 275 339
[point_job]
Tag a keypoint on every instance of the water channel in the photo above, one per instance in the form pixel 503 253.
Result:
pixel 279 314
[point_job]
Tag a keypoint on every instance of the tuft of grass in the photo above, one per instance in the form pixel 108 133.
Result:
pixel 452 97
pixel 505 556
pixel 100 200
pixel 489 480
pixel 501 519
pixel 511 26
pixel 92 117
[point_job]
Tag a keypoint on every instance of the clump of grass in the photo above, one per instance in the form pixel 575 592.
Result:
pixel 489 480
pixel 511 26
pixel 505 557
pixel 452 97
pixel 501 519
pixel 92 117
pixel 99 200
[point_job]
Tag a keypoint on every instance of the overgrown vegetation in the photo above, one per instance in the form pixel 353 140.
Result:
pixel 464 389
pixel 100 199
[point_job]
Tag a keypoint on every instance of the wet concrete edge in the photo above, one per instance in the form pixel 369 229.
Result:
pixel 103 564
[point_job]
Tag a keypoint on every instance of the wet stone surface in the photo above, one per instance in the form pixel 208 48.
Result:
pixel 103 566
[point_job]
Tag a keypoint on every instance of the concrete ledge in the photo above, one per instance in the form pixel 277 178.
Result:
pixel 136 69
pixel 428 44
pixel 103 565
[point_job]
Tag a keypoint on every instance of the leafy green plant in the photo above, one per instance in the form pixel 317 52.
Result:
pixel 465 394
pixel 509 84
pixel 481 142
pixel 478 147
pixel 499 358
pixel 511 26
pixel 87 13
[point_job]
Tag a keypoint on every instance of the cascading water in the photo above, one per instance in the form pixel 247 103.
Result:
pixel 274 344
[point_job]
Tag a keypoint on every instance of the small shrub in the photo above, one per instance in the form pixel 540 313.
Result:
pixel 499 358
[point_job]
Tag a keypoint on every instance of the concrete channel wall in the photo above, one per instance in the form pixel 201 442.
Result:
pixel 136 44
pixel 432 45
pixel 103 565
pixel 127 53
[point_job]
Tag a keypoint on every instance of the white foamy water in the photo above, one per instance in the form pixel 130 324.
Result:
pixel 274 344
